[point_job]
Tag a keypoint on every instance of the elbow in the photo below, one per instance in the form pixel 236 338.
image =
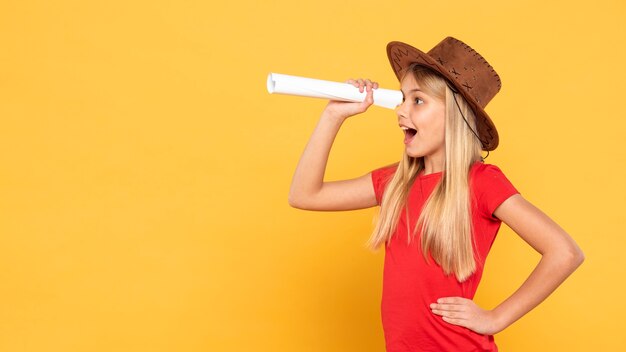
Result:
pixel 292 202
pixel 295 202
pixel 567 258
pixel 574 257
pixel 301 200
pixel 291 199
pixel 293 205
pixel 579 257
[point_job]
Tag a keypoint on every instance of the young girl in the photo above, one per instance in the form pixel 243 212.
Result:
pixel 441 206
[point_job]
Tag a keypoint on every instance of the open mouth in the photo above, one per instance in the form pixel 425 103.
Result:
pixel 408 135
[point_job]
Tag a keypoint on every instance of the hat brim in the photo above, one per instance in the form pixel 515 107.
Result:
pixel 486 128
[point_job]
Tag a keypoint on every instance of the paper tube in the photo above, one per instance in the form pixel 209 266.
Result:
pixel 316 88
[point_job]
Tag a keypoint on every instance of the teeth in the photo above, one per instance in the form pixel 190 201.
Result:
pixel 404 128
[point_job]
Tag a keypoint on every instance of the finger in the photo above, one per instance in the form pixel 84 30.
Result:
pixel 370 96
pixel 450 300
pixel 353 82
pixel 450 314
pixel 455 321
pixel 438 312
pixel 450 307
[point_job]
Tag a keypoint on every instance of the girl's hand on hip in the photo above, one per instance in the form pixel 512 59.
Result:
pixel 464 312
pixel 345 109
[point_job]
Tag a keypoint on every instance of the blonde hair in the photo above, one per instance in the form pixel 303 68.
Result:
pixel 445 219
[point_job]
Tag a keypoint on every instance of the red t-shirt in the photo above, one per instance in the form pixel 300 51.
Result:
pixel 410 285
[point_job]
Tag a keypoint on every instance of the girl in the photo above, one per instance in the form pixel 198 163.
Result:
pixel 441 206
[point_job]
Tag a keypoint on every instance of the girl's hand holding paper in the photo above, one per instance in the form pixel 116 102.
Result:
pixel 343 109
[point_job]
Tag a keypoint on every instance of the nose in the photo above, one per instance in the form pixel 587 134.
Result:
pixel 400 110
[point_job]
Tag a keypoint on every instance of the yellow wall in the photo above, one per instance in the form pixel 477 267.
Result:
pixel 145 170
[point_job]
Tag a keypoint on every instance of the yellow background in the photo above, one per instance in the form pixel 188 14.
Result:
pixel 145 170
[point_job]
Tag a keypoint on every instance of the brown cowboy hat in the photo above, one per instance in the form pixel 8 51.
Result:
pixel 466 70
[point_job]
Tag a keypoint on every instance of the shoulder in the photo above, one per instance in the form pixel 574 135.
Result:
pixel 490 186
pixel 385 171
pixel 483 172
pixel 480 167
pixel 488 178
pixel 380 177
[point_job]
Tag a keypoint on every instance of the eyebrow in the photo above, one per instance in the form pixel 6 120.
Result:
pixel 412 90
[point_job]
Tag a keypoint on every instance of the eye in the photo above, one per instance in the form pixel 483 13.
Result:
pixel 418 99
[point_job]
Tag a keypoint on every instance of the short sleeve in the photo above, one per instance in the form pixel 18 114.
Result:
pixel 380 178
pixel 492 188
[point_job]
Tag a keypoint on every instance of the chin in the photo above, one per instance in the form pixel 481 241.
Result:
pixel 417 152
pixel 413 153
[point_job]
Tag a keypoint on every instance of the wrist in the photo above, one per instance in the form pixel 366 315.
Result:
pixel 331 116
pixel 499 319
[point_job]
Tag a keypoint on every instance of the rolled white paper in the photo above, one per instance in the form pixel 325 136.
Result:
pixel 317 88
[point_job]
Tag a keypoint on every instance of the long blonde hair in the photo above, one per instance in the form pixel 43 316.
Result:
pixel 445 219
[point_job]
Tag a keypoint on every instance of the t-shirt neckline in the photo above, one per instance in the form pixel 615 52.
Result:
pixel 421 174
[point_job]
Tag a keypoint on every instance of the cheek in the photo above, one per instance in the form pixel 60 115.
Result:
pixel 441 128
pixel 433 126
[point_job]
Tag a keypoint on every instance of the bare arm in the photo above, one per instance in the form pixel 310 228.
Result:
pixel 308 189
pixel 560 257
